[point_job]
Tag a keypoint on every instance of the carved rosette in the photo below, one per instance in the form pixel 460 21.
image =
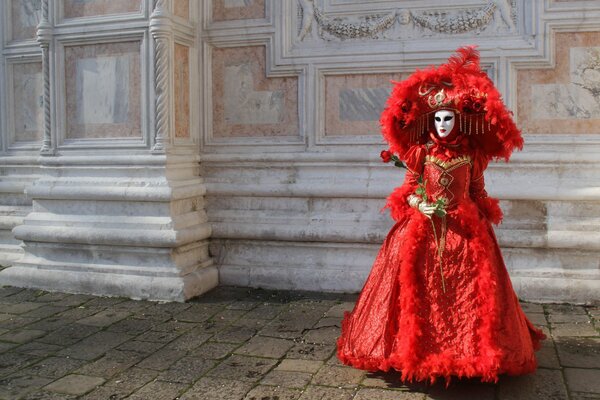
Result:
pixel 162 33
pixel 44 38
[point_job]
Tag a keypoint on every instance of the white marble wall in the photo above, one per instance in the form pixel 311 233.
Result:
pixel 117 206
pixel 303 212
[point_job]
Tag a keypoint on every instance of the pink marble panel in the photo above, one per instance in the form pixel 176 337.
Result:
pixel 182 91
pixel 103 90
pixel 90 8
pixel 354 102
pixel 24 16
pixel 28 111
pixel 181 8
pixel 245 101
pixel 227 10
pixel 563 99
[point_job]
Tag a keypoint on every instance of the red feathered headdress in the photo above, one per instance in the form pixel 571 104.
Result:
pixel 459 85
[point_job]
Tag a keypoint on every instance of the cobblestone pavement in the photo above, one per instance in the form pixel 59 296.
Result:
pixel 237 343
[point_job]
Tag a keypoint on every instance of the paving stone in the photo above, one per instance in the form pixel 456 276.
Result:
pixel 568 318
pixel 579 352
pixel 133 306
pixel 574 330
pixel 16 322
pixel 68 335
pixel 265 311
pixel 217 389
pixel 75 384
pixel 4 316
pixel 158 336
pixel 254 324
pixel 323 335
pixel 158 390
pixel 73 300
pixel 333 360
pixel 6 291
pixel 174 326
pixel 546 356
pixel 11 362
pixel 213 350
pixel 289 379
pixel 18 386
pixel 132 379
pixel 228 315
pixel 104 318
pixel 244 305
pixel 113 362
pixel 307 351
pixel 161 360
pixel 198 312
pixel 18 308
pixel 338 376
pixel 7 346
pixel 327 393
pixel 392 380
pixel 44 395
pixel 189 341
pixel 38 349
pixel 104 302
pixel 269 392
pixel 265 347
pixel 234 334
pixel 299 365
pixel 51 297
pixel 45 311
pixel 461 389
pixel 583 380
pixel 77 313
pixel 383 394
pixel 583 396
pixel 329 322
pixel 132 326
pixel 186 370
pixel 243 368
pixel 94 346
pixel 22 335
pixel 142 348
pixel 106 392
pixel 544 384
pixel 564 309
pixel 532 308
pixel 537 319
pixel 339 309
pixel 55 367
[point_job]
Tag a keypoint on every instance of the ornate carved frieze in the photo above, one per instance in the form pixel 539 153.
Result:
pixel 404 23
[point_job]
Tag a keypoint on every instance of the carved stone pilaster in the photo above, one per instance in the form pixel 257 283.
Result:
pixel 44 38
pixel 162 33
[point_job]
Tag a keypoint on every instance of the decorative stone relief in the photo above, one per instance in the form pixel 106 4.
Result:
pixel 353 103
pixel 103 90
pixel 89 8
pixel 182 91
pixel 25 16
pixel 245 101
pixel 565 99
pixel 493 15
pixel 28 103
pixel 227 10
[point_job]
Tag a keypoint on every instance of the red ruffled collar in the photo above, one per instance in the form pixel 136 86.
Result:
pixel 452 146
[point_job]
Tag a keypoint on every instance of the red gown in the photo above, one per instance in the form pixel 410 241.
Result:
pixel 406 318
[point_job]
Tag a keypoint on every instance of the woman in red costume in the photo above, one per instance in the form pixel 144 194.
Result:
pixel 438 301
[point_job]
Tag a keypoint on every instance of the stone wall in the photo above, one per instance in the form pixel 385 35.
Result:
pixel 99 158
pixel 295 185
pixel 132 131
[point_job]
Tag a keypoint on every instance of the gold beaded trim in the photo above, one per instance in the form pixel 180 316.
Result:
pixel 450 163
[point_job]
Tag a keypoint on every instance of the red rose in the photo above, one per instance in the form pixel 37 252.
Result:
pixel 406 106
pixel 386 156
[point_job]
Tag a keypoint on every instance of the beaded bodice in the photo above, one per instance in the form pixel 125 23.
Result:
pixel 449 179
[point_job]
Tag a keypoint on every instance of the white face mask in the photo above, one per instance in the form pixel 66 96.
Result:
pixel 444 122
